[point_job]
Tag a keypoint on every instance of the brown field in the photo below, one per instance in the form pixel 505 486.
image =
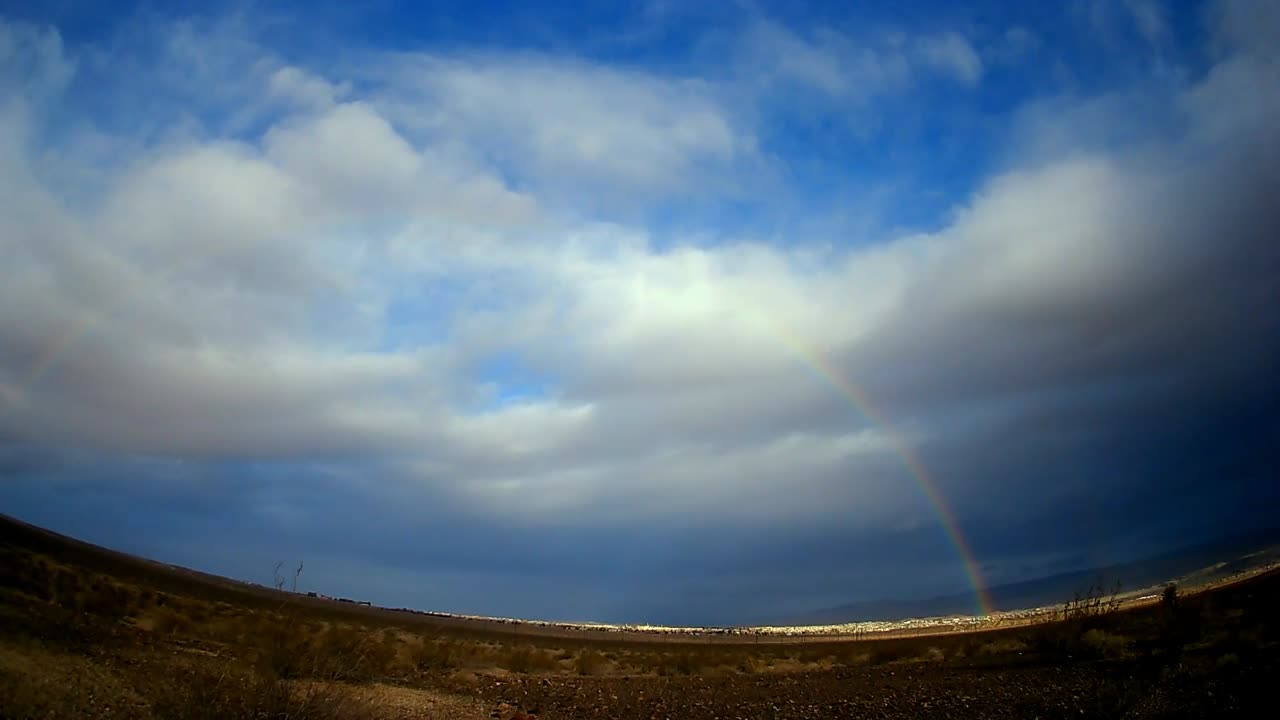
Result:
pixel 90 633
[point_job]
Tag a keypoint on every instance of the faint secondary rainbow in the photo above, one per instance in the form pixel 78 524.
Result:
pixel 855 395
pixel 47 359
pixel 50 356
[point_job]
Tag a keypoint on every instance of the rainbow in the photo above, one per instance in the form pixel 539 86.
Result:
pixel 813 358
pixel 50 356
pixel 858 398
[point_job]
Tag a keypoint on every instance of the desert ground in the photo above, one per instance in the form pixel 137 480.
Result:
pixel 90 633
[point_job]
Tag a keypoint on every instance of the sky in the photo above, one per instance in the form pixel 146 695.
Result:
pixel 683 313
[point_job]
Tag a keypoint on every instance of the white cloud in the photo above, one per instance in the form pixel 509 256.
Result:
pixel 32 61
pixel 677 480
pixel 304 89
pixel 554 123
pixel 951 53
pixel 777 52
pixel 241 292
pixel 350 154
pixel 852 68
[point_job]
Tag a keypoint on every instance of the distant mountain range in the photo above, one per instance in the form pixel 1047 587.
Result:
pixel 1195 565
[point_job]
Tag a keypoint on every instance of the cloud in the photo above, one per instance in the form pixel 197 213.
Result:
pixel 33 60
pixel 361 157
pixel 1242 25
pixel 952 54
pixel 544 120
pixel 374 290
pixel 850 67
pixel 1150 21
pixel 826 62
pixel 305 89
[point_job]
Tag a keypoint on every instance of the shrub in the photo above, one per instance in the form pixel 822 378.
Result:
pixel 289 649
pixel 1179 624
pixel 686 663
pixel 436 655
pixel 1007 646
pixel 884 653
pixel 1093 606
pixel 1100 643
pixel 201 695
pixel 649 663
pixel 166 621
pixel 855 656
pixel 1065 639
pixel 590 662
pixel 348 654
pixel 526 659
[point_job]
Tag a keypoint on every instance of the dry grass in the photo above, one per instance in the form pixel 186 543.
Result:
pixel 591 662
pixel 231 696
pixel 525 659
pixel 434 654
pixel 1103 644
pixel 80 640
pixel 1004 646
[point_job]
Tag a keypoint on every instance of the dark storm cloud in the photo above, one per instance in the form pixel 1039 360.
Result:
pixel 227 359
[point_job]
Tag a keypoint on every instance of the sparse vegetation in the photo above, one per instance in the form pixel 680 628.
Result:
pixel 1090 611
pixel 590 662
pixel 204 695
pixel 436 655
pixel 1102 644
pixel 526 659
pixel 1004 647
pixel 85 635
pixel 934 654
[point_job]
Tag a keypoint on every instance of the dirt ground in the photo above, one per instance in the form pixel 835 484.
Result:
pixel 85 633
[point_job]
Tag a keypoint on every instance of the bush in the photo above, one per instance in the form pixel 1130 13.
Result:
pixel 590 662
pixel 1007 646
pixel 855 656
pixel 1064 639
pixel 1093 606
pixel 884 653
pixel 201 695
pixel 436 655
pixel 166 621
pixel 750 663
pixel 1179 624
pixel 523 659
pixel 1102 644
pixel 289 649
pixel 107 599
pixel 686 663
pixel 1230 661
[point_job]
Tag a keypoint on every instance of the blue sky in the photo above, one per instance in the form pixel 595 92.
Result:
pixel 451 298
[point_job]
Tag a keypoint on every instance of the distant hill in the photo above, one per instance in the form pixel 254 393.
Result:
pixel 1195 565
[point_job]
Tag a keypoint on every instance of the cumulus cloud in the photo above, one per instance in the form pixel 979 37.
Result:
pixel 319 299
pixel 297 86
